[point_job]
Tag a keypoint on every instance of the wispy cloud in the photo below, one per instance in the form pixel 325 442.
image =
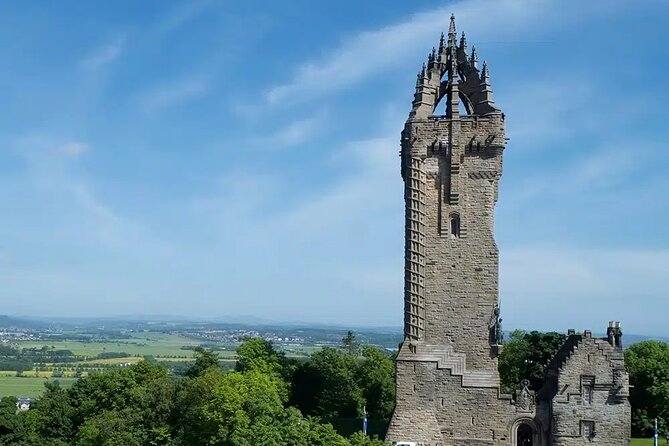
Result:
pixel 603 171
pixel 172 93
pixel 369 53
pixel 74 148
pixel 577 285
pixel 180 15
pixel 51 177
pixel 291 134
pixel 105 54
pixel 537 109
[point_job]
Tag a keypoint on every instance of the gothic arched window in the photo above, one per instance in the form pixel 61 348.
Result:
pixel 454 225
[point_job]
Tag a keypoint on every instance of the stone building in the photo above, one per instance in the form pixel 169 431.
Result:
pixel 448 387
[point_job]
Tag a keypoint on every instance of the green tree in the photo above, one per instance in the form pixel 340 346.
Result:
pixel 377 382
pixel 247 410
pixel 259 355
pixel 190 426
pixel 327 385
pixel 12 429
pixel 204 359
pixel 360 439
pixel 525 356
pixel 112 428
pixel 350 343
pixel 648 366
pixel 50 417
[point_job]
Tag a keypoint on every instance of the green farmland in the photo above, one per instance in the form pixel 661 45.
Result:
pixel 647 442
pixel 29 364
pixel 142 344
pixel 28 386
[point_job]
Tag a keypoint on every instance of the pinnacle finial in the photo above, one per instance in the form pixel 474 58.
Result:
pixel 463 42
pixel 452 35
pixel 485 75
pixel 441 43
pixel 475 57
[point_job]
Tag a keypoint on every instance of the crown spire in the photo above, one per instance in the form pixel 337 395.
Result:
pixel 450 73
pixel 452 35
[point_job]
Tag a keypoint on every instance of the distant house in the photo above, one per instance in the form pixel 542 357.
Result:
pixel 23 403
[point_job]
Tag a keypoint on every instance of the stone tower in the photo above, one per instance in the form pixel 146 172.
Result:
pixel 447 379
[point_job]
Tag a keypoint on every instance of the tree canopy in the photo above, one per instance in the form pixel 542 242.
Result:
pixel 648 366
pixel 525 356
pixel 144 405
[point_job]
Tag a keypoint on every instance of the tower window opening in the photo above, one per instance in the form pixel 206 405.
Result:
pixel 588 430
pixel 455 225
pixel 587 388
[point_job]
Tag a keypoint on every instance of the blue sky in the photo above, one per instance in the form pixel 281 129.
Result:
pixel 213 159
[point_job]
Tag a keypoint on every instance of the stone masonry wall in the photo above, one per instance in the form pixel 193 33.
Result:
pixel 463 164
pixel 434 408
pixel 447 378
pixel 593 362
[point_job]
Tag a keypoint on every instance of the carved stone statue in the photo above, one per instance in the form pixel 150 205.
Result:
pixel 495 327
pixel 525 397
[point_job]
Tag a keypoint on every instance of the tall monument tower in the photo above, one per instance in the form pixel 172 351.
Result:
pixel 452 144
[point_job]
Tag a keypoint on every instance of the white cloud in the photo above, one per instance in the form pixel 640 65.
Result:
pixel 104 55
pixel 370 53
pixel 538 114
pixel 292 134
pixel 172 93
pixel 50 178
pixel 357 198
pixel 299 131
pixel 74 148
pixel 181 15
pixel 602 170
pixel 546 287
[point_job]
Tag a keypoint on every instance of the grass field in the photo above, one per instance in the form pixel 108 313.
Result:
pixel 149 343
pixel 647 442
pixel 27 386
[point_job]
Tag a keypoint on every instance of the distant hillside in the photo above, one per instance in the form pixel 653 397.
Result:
pixel 630 339
pixel 14 322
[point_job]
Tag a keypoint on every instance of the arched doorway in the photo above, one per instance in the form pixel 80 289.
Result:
pixel 524 435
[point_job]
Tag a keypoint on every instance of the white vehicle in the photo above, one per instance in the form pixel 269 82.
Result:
pixel 406 443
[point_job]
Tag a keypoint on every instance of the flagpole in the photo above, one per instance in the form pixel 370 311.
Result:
pixel 364 420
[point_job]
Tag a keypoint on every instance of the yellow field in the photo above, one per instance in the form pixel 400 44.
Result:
pixel 27 374
pixel 112 361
